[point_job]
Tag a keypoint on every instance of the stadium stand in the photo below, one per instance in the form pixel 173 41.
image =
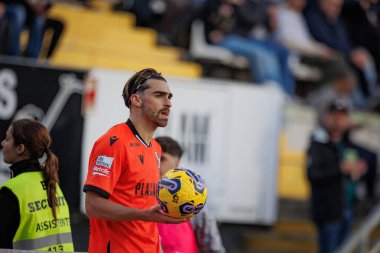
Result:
pixel 108 39
pixel 210 56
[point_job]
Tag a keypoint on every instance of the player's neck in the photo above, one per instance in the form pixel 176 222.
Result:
pixel 143 127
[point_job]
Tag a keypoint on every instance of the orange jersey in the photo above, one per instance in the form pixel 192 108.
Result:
pixel 125 170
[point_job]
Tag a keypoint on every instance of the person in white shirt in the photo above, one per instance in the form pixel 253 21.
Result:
pixel 293 32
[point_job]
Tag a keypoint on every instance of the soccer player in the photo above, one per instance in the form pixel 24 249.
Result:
pixel 201 233
pixel 123 172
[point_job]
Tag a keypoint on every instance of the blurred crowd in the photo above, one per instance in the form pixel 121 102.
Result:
pixel 17 16
pixel 337 38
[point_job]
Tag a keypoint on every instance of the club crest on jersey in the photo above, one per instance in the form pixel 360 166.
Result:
pixel 158 159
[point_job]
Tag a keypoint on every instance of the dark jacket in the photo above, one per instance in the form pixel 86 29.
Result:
pixel 323 172
pixel 361 31
pixel 331 33
pixel 239 21
pixel 9 205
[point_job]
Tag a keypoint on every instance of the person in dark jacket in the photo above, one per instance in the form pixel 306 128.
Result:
pixel 362 20
pixel 21 14
pixel 326 26
pixel 334 166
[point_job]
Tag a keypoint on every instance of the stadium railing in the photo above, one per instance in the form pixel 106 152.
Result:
pixel 359 241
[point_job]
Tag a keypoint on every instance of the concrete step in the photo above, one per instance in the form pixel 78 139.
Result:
pixel 294 209
pixel 280 243
pixel 296 236
pixel 287 226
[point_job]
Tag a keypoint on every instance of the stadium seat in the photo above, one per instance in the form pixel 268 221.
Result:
pixel 202 51
pixel 108 39
pixel 292 181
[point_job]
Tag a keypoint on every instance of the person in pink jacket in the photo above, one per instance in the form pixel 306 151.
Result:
pixel 201 233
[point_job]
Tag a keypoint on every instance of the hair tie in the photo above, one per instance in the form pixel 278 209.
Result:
pixel 135 87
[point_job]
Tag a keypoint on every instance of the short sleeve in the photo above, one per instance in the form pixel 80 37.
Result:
pixel 106 162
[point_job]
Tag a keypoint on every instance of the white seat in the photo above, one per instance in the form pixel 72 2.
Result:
pixel 200 49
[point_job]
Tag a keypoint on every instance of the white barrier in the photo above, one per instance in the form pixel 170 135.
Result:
pixel 229 132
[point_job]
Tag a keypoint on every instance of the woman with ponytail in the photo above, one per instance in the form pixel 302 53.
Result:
pixel 33 211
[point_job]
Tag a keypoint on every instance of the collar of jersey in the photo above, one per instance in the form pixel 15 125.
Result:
pixel 137 135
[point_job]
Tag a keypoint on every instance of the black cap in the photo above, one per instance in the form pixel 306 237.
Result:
pixel 338 105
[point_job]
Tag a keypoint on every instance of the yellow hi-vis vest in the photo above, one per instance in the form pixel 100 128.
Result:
pixel 38 230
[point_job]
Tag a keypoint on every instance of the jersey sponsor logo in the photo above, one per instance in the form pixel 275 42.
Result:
pixel 105 172
pixel 104 161
pixel 141 157
pixel 113 139
pixel 146 189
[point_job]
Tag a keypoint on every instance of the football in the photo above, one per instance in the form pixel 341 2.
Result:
pixel 182 193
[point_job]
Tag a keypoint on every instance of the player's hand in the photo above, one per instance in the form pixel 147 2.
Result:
pixel 154 214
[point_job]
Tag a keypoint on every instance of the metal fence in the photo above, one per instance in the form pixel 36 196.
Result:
pixel 359 241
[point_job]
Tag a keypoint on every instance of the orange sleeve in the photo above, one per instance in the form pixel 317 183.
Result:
pixel 105 166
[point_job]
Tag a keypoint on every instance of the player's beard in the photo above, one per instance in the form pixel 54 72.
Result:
pixel 156 117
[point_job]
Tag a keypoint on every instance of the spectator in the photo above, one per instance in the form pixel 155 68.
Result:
pixel 15 19
pixel 327 27
pixel 56 27
pixel 293 32
pixel 21 14
pixel 171 18
pixel 363 25
pixel 147 12
pixel 334 166
pixel 35 20
pixel 201 232
pixel 340 88
pixel 174 24
pixel 229 23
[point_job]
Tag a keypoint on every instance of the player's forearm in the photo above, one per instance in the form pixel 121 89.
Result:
pixel 101 208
